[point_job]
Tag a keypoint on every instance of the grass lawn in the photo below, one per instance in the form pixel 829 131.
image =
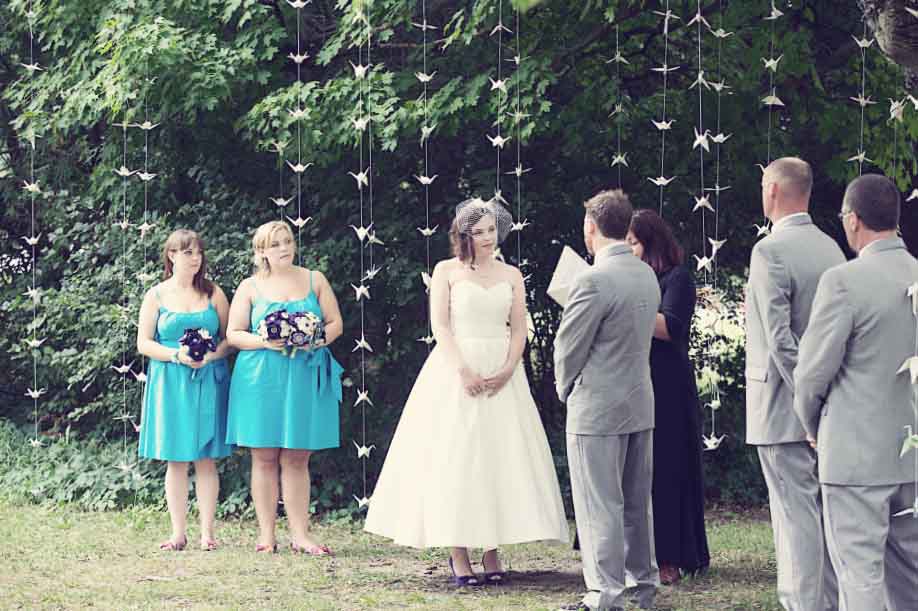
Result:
pixel 55 558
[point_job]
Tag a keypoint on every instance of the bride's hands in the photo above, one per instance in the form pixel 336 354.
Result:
pixel 497 381
pixel 473 383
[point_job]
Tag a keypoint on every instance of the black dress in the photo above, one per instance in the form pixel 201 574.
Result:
pixel 678 490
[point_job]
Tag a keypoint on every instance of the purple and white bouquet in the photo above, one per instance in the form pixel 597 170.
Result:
pixel 196 343
pixel 299 330
pixel 308 331
pixel 275 325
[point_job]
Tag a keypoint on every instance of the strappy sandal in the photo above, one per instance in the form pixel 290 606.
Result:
pixel 261 548
pixel 463 580
pixel 173 546
pixel 311 550
pixel 209 545
pixel 494 578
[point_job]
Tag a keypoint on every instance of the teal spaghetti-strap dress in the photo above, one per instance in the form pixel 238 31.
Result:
pixel 281 402
pixel 184 409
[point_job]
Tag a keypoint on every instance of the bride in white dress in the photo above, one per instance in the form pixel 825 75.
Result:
pixel 469 465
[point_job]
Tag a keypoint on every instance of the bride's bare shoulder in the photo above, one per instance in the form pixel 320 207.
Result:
pixel 447 266
pixel 510 272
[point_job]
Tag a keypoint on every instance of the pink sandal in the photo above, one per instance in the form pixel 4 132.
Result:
pixel 261 548
pixel 311 550
pixel 173 546
pixel 209 546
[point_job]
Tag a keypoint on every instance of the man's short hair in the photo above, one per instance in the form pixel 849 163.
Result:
pixel 611 211
pixel 794 175
pixel 875 200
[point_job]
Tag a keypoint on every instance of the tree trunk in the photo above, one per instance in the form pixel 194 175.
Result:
pixel 896 31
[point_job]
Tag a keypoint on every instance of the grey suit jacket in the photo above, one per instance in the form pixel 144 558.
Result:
pixel 602 347
pixel 848 394
pixel 783 274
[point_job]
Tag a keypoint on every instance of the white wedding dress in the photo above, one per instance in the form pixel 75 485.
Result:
pixel 469 471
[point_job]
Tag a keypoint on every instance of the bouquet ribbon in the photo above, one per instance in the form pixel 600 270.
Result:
pixel 207 402
pixel 327 369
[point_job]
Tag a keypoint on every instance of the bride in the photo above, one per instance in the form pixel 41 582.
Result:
pixel 469 465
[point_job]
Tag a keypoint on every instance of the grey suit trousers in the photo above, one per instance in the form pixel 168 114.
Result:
pixel 874 554
pixel 611 479
pixel 806 581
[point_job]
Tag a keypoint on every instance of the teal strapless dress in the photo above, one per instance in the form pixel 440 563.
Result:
pixel 184 417
pixel 282 402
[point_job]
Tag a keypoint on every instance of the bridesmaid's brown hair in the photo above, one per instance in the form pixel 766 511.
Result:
pixel 179 240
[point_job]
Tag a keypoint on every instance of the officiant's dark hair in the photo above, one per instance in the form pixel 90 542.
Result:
pixel 611 211
pixel 875 200
pixel 661 250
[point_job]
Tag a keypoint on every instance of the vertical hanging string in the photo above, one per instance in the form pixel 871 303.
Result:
pixel 719 138
pixel 863 101
pixel 365 233
pixel 145 176
pixel 500 85
pixel 298 60
pixel 34 190
pixel 124 225
pixel 372 238
pixel 278 147
pixel 914 431
pixel 701 143
pixel 520 223
pixel 619 159
pixel 425 179
pixel 299 114
pixel 663 125
pixel 771 100
pixel 712 442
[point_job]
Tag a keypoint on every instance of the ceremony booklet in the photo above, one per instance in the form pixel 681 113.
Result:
pixel 569 265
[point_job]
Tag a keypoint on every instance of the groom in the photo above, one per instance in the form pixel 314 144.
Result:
pixel 602 371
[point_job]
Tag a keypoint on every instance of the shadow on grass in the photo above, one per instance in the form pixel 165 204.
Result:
pixel 535 582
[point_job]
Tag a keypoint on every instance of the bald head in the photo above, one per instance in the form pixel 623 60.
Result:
pixel 786 187
pixel 793 176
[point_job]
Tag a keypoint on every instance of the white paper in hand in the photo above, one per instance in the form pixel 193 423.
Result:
pixel 569 265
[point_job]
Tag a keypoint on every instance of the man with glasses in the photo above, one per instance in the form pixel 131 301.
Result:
pixel 850 397
pixel 783 274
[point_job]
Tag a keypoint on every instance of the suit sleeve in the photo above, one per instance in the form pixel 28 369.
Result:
pixel 678 302
pixel 579 323
pixel 822 349
pixel 772 287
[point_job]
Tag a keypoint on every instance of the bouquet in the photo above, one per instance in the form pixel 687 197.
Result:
pixel 275 325
pixel 196 343
pixel 299 330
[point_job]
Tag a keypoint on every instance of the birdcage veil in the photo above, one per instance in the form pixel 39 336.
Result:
pixel 469 212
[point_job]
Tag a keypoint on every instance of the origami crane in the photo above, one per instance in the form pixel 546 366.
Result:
pixel 363 451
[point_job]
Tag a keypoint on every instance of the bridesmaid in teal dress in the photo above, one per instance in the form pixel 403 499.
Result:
pixel 185 401
pixel 282 407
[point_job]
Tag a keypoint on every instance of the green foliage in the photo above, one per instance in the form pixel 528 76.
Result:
pixel 92 473
pixel 215 74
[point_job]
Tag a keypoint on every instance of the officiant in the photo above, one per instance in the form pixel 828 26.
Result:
pixel 678 490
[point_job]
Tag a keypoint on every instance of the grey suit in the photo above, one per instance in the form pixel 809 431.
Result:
pixel 602 370
pixel 851 399
pixel 784 272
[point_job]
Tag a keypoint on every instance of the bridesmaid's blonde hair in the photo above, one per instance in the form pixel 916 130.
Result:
pixel 262 239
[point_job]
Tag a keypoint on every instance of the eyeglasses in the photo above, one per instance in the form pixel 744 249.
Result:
pixel 844 213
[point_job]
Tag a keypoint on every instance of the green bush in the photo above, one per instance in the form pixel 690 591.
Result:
pixel 99 474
